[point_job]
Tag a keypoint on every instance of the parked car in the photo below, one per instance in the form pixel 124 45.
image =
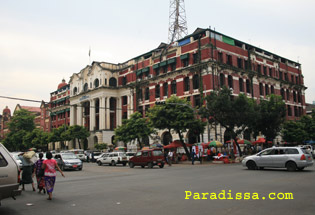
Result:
pixel 68 161
pixel 130 155
pixel 79 153
pixel 113 158
pixel 16 158
pixel 291 158
pixel 149 157
pixel 9 175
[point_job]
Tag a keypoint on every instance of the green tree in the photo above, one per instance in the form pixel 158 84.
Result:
pixel 270 117
pixel 294 132
pixel 233 113
pixel 176 115
pixel 75 132
pixel 36 139
pixel 101 146
pixel 136 128
pixel 21 123
pixel 56 134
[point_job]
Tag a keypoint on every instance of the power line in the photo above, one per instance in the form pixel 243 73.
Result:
pixel 27 100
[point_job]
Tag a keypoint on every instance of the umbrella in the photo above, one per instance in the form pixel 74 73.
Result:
pixel 145 148
pixel 156 145
pixel 260 140
pixel 175 144
pixel 215 144
pixel 246 142
pixel 120 148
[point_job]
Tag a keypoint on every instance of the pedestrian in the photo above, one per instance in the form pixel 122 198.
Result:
pixel 209 154
pixel 92 157
pixel 39 173
pixel 50 166
pixel 27 170
pixel 170 157
pixel 193 155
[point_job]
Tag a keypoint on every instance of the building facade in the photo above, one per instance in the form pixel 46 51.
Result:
pixel 102 94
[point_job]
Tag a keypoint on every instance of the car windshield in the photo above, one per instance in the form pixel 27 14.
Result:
pixel 157 153
pixel 69 156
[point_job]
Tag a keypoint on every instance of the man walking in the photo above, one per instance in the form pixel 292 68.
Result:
pixel 170 156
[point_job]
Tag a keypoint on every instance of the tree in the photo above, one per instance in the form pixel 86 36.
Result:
pixel 101 146
pixel 176 115
pixel 232 113
pixel 56 134
pixel 270 117
pixel 21 123
pixel 36 139
pixel 75 132
pixel 134 128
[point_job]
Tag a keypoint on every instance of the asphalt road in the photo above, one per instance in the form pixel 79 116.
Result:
pixel 121 190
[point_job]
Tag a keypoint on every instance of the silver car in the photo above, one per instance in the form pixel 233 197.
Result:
pixel 291 158
pixel 68 161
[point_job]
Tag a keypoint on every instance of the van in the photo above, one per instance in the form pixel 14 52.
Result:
pixel 149 157
pixel 9 175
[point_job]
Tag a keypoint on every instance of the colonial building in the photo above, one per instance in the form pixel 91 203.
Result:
pixel 102 94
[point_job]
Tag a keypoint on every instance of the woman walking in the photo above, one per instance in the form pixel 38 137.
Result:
pixel 50 166
pixel 27 172
pixel 39 173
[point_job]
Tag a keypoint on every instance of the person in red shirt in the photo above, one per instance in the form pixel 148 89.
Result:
pixel 50 166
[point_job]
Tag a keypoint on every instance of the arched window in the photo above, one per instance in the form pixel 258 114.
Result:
pixel 241 84
pixel 282 94
pixel 247 86
pixel 267 89
pixel 230 81
pixel 96 83
pixel 186 84
pixel 173 87
pixel 157 91
pixel 147 94
pixel 196 82
pixel 85 87
pixel 294 96
pixel 261 89
pixel 112 82
pixel 222 80
pixel 288 95
pixel 75 91
pixel 165 89
pixel 272 90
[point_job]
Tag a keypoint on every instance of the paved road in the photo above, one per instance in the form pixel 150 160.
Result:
pixel 121 190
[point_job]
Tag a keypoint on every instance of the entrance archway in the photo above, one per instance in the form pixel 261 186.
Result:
pixel 166 138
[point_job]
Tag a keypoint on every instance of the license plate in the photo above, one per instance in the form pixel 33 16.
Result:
pixel 75 166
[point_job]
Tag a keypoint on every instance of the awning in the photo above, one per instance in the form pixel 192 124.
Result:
pixel 170 61
pixel 184 56
pixel 163 63
pixel 155 66
pixel 145 70
pixel 139 72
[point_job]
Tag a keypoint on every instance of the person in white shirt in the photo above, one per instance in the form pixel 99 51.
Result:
pixel 170 157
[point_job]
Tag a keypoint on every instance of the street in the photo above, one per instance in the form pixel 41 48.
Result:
pixel 122 190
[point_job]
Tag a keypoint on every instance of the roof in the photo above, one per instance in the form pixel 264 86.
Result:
pixel 31 109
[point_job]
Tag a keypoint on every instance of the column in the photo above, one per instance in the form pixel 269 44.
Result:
pixel 72 115
pixel 102 113
pixel 118 114
pixel 129 107
pixel 131 104
pixel 108 113
pixel 92 114
pixel 79 115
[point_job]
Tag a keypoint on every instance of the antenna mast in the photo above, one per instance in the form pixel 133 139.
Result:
pixel 177 21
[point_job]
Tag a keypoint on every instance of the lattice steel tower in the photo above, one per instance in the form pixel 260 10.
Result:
pixel 177 21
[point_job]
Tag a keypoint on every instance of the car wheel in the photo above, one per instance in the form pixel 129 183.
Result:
pixel 291 166
pixel 99 163
pixel 261 168
pixel 113 163
pixel 251 165
pixel 80 168
pixel 131 165
pixel 150 165
pixel 300 168
pixel 161 166
pixel 142 166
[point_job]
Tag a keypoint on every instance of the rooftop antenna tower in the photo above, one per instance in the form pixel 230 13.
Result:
pixel 177 21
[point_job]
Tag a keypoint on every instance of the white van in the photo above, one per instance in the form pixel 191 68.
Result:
pixel 9 175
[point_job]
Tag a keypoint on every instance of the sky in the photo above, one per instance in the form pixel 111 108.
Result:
pixel 42 42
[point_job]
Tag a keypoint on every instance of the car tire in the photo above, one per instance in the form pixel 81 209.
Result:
pixel 251 165
pixel 150 165
pixel 99 163
pixel 131 165
pixel 142 166
pixel 161 166
pixel 261 168
pixel 300 168
pixel 291 166
pixel 113 163
pixel 80 169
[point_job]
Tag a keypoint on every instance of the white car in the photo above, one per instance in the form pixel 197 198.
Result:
pixel 130 155
pixel 15 156
pixel 113 158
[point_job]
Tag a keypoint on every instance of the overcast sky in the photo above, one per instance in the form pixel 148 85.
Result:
pixel 42 42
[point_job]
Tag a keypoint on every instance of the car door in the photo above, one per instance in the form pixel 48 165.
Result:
pixel 137 158
pixel 279 158
pixel 264 159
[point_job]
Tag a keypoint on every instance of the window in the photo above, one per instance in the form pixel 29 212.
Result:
pixel 294 96
pixel 140 96
pixel 261 89
pixel 230 81
pixel 112 82
pixel 296 80
pixel 96 83
pixel 173 66
pixel 282 94
pixel 241 85
pixel 220 57
pixel 147 93
pixel 3 161
pixel 286 77
pixel 185 62
pixel 265 70
pixel 222 80
pixel 173 87
pixel 157 71
pixel 272 90
pixel 259 69
pixel 289 110
pixel 157 91
pixel 267 89
pixel 125 100
pixel 124 80
pixel 299 97
pixel 288 95
pixel 280 75
pixel 240 63
pixel 271 72
pixel 196 58
pixel 291 151
pixel 186 84
pixel 196 82
pixel 296 114
pixel 165 89
pixel 246 64
pixel 164 69
pixel 85 87
pixel 292 79
pixel 75 91
pixel 197 100
pixel 229 60
pixel 247 86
